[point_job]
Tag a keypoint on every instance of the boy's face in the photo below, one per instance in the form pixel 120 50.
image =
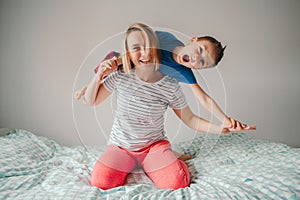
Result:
pixel 197 54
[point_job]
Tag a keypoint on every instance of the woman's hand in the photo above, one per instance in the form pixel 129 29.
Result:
pixel 236 126
pixel 226 131
pixel 106 68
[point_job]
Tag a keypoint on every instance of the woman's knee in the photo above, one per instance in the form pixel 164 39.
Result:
pixel 106 178
pixel 174 176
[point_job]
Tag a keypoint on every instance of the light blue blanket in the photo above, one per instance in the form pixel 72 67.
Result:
pixel 225 167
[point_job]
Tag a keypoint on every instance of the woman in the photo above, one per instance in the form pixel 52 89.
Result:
pixel 137 137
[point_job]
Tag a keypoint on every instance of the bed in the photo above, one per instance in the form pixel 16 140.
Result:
pixel 237 167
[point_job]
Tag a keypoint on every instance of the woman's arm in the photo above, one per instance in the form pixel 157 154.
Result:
pixel 95 91
pixel 109 64
pixel 198 123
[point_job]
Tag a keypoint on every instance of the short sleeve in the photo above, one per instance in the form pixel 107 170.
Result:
pixel 178 101
pixel 110 82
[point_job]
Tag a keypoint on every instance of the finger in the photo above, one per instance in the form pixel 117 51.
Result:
pixel 227 123
pixel 76 95
pixel 114 63
pixel 238 125
pixel 251 128
pixel 227 126
pixel 106 64
pixel 233 122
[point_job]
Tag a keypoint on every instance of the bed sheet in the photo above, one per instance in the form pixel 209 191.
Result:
pixel 226 167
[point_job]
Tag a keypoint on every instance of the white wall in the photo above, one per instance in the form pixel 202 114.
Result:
pixel 44 43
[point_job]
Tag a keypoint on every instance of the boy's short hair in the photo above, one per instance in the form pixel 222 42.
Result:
pixel 218 47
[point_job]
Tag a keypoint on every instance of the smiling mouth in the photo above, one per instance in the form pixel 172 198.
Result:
pixel 144 62
pixel 185 58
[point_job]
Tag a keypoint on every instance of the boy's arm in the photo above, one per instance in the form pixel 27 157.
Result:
pixel 210 105
pixel 198 123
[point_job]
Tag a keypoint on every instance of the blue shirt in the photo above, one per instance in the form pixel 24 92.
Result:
pixel 168 65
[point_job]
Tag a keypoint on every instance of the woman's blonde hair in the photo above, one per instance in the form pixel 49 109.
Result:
pixel 152 48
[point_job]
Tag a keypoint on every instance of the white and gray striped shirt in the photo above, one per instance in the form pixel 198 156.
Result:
pixel 139 116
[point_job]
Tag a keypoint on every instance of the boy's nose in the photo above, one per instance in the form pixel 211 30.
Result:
pixel 195 59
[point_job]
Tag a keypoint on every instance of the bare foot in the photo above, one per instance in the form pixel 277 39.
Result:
pixel 185 157
pixel 181 156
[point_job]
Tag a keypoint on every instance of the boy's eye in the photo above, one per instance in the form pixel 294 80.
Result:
pixel 202 62
pixel 200 50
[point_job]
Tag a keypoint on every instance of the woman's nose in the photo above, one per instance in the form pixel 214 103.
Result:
pixel 144 53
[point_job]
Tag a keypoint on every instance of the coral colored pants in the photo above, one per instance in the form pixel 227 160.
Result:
pixel 158 161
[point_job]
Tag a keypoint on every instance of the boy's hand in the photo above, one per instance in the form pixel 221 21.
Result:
pixel 235 126
pixel 232 123
pixel 247 128
pixel 79 93
pixel 226 131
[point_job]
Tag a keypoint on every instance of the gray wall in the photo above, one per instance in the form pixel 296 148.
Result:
pixel 48 48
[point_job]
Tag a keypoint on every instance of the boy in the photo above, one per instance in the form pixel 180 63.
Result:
pixel 178 60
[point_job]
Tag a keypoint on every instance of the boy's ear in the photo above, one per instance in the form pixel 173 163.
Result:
pixel 194 39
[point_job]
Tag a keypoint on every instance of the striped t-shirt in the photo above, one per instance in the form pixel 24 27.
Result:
pixel 139 116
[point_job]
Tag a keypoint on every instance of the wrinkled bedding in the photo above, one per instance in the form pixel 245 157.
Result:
pixel 226 167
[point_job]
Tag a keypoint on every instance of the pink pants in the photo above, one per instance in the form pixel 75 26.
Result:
pixel 158 161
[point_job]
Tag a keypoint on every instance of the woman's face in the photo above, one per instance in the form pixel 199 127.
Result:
pixel 137 49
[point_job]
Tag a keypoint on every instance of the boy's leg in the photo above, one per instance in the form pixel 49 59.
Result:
pixel 164 168
pixel 111 168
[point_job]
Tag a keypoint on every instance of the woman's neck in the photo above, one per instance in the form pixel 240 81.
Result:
pixel 148 74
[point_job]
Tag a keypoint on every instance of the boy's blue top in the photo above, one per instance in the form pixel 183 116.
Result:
pixel 168 65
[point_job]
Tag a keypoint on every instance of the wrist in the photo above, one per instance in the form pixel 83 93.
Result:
pixel 227 120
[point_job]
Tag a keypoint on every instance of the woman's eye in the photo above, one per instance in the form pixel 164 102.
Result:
pixel 136 48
